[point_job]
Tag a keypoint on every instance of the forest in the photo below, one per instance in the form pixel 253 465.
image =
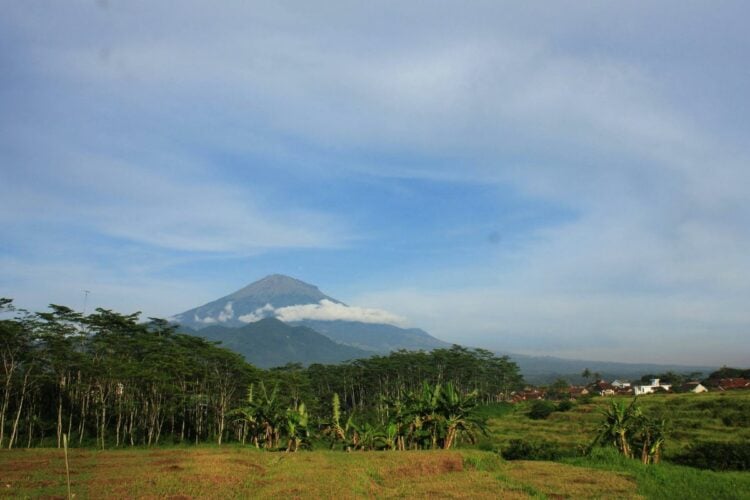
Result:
pixel 111 380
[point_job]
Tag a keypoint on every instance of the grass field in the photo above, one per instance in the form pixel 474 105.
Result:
pixel 240 472
pixel 233 472
pixel 713 417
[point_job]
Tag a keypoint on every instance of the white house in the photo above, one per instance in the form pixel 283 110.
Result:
pixel 639 390
pixel 695 387
pixel 620 384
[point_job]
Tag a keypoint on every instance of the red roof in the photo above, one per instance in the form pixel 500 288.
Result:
pixel 734 383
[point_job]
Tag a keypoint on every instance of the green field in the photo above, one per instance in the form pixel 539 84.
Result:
pixel 707 417
pixel 238 472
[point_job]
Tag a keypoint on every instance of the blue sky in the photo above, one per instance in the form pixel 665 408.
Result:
pixel 567 179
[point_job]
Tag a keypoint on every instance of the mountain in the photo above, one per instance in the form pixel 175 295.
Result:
pixel 302 304
pixel 274 291
pixel 380 338
pixel 269 342
pixel 280 319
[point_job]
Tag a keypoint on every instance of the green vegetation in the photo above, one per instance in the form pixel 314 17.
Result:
pixel 631 432
pixel 108 380
pixel 694 418
pixel 666 480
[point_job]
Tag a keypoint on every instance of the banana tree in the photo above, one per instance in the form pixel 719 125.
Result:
pixel 649 436
pixel 346 434
pixel 425 425
pixel 618 425
pixel 457 412
pixel 296 428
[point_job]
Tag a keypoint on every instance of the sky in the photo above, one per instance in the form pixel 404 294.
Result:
pixel 566 178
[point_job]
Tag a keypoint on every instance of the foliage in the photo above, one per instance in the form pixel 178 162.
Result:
pixel 631 432
pixel 109 379
pixel 520 449
pixel 541 409
pixel 666 480
pixel 566 405
pixel 717 456
pixel 728 372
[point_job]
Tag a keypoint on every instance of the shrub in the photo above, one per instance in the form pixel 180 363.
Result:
pixel 541 410
pixel 566 405
pixel 518 449
pixel 717 456
pixel 586 398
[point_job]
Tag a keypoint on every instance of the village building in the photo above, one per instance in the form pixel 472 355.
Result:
pixel 654 386
pixel 620 384
pixel 727 384
pixel 603 388
pixel 694 387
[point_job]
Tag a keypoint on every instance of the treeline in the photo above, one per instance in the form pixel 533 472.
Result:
pixel 713 378
pixel 108 379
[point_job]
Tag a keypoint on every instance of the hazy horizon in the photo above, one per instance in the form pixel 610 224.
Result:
pixel 567 180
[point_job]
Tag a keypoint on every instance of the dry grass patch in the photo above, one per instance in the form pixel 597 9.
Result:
pixel 240 473
pixel 563 481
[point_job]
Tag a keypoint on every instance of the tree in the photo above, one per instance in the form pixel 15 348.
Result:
pixel 296 428
pixel 629 430
pixel 619 421
pixel 458 414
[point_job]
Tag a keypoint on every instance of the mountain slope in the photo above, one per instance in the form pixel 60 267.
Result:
pixel 270 342
pixel 275 291
pixel 379 338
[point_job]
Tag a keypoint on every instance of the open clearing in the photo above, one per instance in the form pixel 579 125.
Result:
pixel 234 472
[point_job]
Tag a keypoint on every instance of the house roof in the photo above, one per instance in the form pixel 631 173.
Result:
pixel 734 383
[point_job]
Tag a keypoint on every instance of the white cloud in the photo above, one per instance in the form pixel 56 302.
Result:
pixel 208 320
pixel 227 313
pixel 606 325
pixel 258 314
pixel 325 310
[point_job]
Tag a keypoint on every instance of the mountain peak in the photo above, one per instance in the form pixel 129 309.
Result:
pixel 278 285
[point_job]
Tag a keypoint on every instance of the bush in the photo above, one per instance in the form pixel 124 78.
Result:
pixel 541 410
pixel 717 456
pixel 518 449
pixel 565 405
pixel 586 398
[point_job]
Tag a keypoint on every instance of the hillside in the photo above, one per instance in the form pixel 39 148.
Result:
pixel 546 369
pixel 270 342
pixel 379 338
